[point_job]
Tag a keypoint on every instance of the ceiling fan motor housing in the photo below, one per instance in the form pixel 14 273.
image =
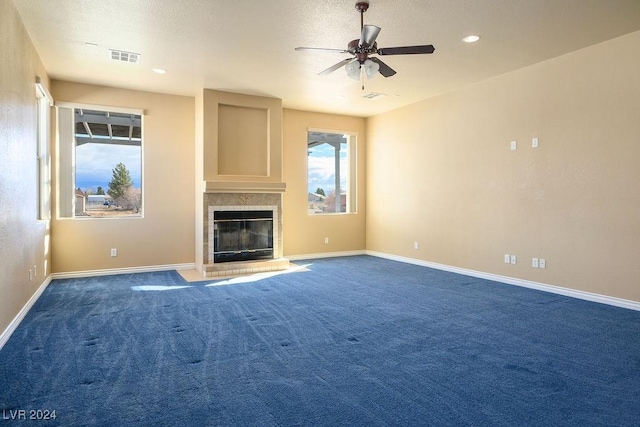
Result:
pixel 361 52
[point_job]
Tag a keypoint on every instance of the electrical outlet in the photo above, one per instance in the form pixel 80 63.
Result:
pixel 30 275
pixel 534 142
pixel 415 245
pixel 534 262
pixel 507 258
pixel 35 271
pixel 542 263
pixel 514 145
pixel 514 259
pixel 114 252
pixel 326 240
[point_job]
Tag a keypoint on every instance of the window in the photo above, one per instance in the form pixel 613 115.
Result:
pixel 101 162
pixel 331 165
pixel 43 153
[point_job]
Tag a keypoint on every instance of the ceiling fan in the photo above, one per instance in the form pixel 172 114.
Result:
pixel 362 64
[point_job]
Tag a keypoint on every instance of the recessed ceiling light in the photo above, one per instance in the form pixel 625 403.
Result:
pixel 471 39
pixel 159 70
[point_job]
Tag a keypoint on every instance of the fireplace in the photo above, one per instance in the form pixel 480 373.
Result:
pixel 242 235
pixel 242 232
pixel 239 167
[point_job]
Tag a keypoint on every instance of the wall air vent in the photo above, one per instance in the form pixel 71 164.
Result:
pixel 374 95
pixel 121 55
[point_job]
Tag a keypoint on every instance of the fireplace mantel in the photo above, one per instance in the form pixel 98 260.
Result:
pixel 244 187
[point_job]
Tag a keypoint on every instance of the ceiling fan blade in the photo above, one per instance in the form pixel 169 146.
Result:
pixel 322 49
pixel 369 35
pixel 406 50
pixel 385 70
pixel 335 67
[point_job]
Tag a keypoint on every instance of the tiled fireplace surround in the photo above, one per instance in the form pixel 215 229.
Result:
pixel 242 201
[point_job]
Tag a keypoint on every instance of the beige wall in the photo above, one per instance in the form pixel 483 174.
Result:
pixel 303 233
pixel 440 172
pixel 23 239
pixel 165 235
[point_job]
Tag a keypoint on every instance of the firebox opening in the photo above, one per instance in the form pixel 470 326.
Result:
pixel 242 235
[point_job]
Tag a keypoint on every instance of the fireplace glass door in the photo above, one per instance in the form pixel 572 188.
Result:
pixel 243 235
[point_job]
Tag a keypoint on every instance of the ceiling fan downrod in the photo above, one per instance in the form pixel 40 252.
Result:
pixel 362 7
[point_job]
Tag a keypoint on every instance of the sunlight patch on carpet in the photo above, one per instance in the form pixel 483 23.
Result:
pixel 158 288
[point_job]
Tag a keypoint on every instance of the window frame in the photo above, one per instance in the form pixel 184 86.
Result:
pixel 352 181
pixel 72 162
pixel 44 102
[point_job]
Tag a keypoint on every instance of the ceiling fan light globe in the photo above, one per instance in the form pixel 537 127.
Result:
pixel 371 68
pixel 353 69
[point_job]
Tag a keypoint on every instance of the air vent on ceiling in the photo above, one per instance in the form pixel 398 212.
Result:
pixel 374 95
pixel 121 55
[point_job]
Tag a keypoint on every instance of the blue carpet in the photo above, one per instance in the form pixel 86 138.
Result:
pixel 351 341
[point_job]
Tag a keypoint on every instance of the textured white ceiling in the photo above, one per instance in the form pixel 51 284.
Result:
pixel 247 46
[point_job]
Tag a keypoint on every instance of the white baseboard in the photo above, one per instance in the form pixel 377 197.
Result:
pixel 324 255
pixel 588 296
pixel 4 337
pixel 129 270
